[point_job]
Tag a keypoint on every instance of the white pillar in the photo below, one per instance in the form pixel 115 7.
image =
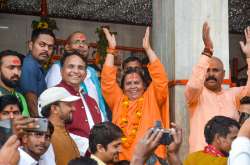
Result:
pixel 177 39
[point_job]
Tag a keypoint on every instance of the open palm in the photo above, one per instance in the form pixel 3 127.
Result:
pixel 206 36
pixel 246 47
pixel 110 37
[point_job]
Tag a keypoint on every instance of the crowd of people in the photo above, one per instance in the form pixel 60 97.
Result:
pixel 67 115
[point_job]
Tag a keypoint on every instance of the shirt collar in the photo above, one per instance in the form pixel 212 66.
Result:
pixel 210 149
pixel 34 60
pixel 25 158
pixel 68 87
pixel 88 74
pixel 99 161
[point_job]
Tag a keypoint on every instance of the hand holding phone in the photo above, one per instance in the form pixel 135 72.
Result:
pixel 167 137
pixel 41 125
pixel 21 123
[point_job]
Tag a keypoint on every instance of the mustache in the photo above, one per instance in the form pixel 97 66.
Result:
pixel 211 78
pixel 15 77
pixel 44 53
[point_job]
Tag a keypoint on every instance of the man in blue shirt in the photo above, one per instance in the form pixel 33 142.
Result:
pixel 33 75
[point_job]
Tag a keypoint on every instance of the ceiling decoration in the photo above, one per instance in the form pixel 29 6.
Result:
pixel 239 15
pixel 137 12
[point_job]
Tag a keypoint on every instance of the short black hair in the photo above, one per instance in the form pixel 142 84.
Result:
pixel 219 125
pixel 50 127
pixel 139 71
pixel 6 100
pixel 8 52
pixel 131 59
pixel 72 53
pixel 245 100
pixel 37 32
pixel 83 161
pixel 104 134
pixel 46 109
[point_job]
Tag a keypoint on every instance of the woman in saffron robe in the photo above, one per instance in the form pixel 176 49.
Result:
pixel 135 107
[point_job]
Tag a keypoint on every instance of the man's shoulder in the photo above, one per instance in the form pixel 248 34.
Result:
pixel 91 69
pixel 201 157
pixel 195 154
pixel 233 90
pixel 25 158
pixel 3 91
pixel 29 62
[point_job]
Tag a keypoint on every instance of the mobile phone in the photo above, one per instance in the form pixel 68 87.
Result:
pixel 43 125
pixel 167 137
pixel 5 130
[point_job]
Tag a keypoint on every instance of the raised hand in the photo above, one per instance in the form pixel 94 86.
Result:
pixel 21 123
pixel 146 146
pixel 145 42
pixel 147 47
pixel 206 37
pixel 246 47
pixel 110 37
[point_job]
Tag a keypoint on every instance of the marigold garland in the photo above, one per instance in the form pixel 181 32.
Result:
pixel 130 134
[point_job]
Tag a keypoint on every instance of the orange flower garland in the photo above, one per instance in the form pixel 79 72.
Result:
pixel 130 134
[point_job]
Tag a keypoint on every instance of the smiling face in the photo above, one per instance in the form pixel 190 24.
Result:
pixel 110 154
pixel 73 70
pixel 215 75
pixel 65 111
pixel 133 86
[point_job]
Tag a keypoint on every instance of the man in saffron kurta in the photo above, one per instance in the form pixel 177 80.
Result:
pixel 205 96
pixel 146 104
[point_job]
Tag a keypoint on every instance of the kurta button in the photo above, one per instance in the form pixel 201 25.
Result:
pixel 86 120
pixel 82 107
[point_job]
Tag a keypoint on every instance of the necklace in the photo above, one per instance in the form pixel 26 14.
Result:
pixel 130 133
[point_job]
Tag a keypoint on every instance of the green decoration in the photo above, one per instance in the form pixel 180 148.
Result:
pixel 44 23
pixel 102 43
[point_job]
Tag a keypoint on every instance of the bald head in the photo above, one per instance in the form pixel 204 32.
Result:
pixel 215 75
pixel 77 41
pixel 218 62
pixel 69 39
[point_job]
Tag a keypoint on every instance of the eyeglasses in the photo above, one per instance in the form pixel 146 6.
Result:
pixel 79 42
pixel 40 135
